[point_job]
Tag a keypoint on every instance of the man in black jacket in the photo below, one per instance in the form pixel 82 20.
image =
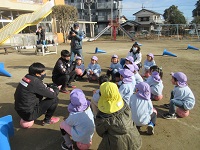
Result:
pixel 29 96
pixel 64 72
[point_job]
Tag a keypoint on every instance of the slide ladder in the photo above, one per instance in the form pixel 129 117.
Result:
pixel 127 33
pixel 25 20
pixel 100 33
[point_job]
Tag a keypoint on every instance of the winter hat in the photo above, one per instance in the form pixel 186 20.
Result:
pixel 114 56
pixel 143 90
pixel 76 25
pixel 130 67
pixel 78 57
pixel 130 58
pixel 155 75
pixel 95 58
pixel 78 102
pixel 110 100
pixel 127 75
pixel 181 77
pixel 151 55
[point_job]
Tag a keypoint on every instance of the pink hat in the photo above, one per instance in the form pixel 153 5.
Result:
pixel 156 76
pixel 114 56
pixel 130 58
pixel 130 67
pixel 143 90
pixel 127 75
pixel 151 55
pixel 78 57
pixel 95 58
pixel 78 102
pixel 181 77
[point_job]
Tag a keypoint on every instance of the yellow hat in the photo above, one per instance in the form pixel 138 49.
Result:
pixel 110 100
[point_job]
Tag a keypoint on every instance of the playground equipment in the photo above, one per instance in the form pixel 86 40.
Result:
pixel 3 71
pixel 115 24
pixel 99 50
pixel 6 130
pixel 192 47
pixel 165 52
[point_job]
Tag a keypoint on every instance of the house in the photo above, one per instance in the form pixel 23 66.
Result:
pixel 101 11
pixel 149 20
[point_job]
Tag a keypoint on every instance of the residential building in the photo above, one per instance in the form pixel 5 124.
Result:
pixel 101 12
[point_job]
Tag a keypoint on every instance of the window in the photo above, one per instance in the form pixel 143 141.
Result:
pixel 143 19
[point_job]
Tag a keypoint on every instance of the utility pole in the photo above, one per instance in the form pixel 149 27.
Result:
pixel 89 3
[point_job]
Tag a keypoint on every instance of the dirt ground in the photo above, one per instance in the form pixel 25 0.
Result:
pixel 180 134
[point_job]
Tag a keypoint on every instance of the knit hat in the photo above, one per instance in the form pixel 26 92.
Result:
pixel 110 100
pixel 130 67
pixel 181 77
pixel 130 58
pixel 143 90
pixel 95 58
pixel 114 56
pixel 127 75
pixel 155 75
pixel 78 102
pixel 78 57
pixel 151 55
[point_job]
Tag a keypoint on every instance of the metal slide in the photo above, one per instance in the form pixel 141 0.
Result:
pixel 128 34
pixel 25 20
pixel 102 32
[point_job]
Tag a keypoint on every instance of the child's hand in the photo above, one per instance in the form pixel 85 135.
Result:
pixel 51 89
pixel 59 87
pixel 110 69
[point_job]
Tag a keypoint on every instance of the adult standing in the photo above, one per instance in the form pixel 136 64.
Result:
pixel 76 37
pixel 34 98
pixel 41 35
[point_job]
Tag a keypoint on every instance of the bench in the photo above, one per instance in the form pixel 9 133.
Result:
pixel 46 49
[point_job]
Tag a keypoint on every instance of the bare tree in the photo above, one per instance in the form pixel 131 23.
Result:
pixel 66 15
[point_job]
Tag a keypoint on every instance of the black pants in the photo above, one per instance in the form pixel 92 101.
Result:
pixel 65 79
pixel 46 106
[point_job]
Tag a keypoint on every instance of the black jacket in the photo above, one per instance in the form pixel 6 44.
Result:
pixel 62 67
pixel 30 92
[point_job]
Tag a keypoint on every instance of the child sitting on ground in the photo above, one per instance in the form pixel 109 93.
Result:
pixel 94 69
pixel 181 96
pixel 80 123
pixel 96 95
pixel 80 68
pixel 114 67
pixel 142 107
pixel 156 85
pixel 147 64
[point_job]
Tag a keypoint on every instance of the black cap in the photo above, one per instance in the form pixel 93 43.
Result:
pixel 76 25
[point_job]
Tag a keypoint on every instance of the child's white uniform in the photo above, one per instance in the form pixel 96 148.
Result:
pixel 156 87
pixel 138 78
pixel 82 125
pixel 141 110
pixel 148 64
pixel 115 67
pixel 126 90
pixel 185 95
pixel 137 57
pixel 95 68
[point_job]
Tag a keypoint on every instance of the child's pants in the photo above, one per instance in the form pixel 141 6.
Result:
pixel 173 103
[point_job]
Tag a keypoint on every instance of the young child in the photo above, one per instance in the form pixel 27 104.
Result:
pixel 80 123
pixel 156 86
pixel 96 95
pixel 136 54
pixel 80 68
pixel 114 67
pixel 142 107
pixel 126 88
pixel 157 69
pixel 94 69
pixel 181 96
pixel 113 121
pixel 147 64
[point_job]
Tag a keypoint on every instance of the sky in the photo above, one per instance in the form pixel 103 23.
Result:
pixel 132 6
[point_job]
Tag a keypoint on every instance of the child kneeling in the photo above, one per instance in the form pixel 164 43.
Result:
pixel 80 123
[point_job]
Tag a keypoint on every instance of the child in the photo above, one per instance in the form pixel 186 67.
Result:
pixel 114 67
pixel 147 64
pixel 142 107
pixel 64 72
pixel 136 54
pixel 113 121
pixel 80 123
pixel 181 96
pixel 156 85
pixel 126 88
pixel 80 68
pixel 94 69
pixel 158 69
pixel 96 95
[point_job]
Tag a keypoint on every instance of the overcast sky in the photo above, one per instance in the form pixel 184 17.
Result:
pixel 132 6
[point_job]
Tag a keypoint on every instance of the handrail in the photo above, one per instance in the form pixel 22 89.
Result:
pixel 24 20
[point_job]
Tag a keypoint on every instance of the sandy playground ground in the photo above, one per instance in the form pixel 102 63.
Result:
pixel 180 134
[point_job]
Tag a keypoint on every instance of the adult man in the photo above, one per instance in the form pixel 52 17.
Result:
pixel 64 72
pixel 29 101
pixel 76 37
pixel 41 35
